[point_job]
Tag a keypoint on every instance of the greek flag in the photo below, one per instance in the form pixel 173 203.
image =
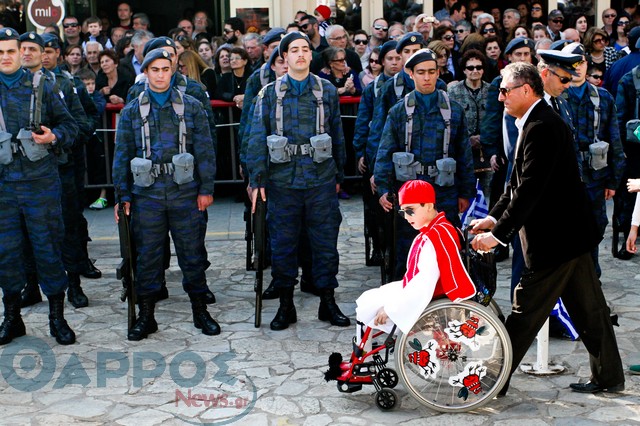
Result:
pixel 478 208
pixel 560 312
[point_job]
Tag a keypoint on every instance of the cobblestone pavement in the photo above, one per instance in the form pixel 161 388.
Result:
pixel 256 376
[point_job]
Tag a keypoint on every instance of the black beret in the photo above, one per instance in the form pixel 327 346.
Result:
pixel 7 33
pixel 274 34
pixel 559 44
pixel 274 55
pixel 386 48
pixel 156 43
pixel 517 43
pixel 32 37
pixel 290 38
pixel 408 39
pixel 420 56
pixel 565 60
pixel 152 56
pixel 51 40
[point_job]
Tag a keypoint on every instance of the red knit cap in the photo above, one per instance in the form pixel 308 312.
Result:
pixel 324 11
pixel 416 192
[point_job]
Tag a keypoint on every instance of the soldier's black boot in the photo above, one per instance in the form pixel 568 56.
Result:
pixel 146 323
pixel 31 292
pixel 201 318
pixel 12 326
pixel 163 293
pixel 74 293
pixel 271 292
pixel 58 326
pixel 286 312
pixel 209 297
pixel 329 310
pixel 306 284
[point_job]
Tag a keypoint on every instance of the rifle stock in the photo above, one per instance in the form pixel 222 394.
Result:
pixel 260 248
pixel 126 270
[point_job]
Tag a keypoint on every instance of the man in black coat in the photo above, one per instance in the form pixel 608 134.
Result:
pixel 556 247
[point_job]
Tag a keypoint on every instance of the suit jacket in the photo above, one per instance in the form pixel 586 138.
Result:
pixel 545 199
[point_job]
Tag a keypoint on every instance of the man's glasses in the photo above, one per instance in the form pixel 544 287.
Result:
pixel 489 30
pixel 338 60
pixel 380 28
pixel 557 20
pixel 504 91
pixel 610 15
pixel 406 212
pixel 360 41
pixel 473 67
pixel 596 76
pixel 563 80
pixel 447 37
pixel 72 25
pixel 460 31
pixel 228 31
pixel 342 37
pixel 304 26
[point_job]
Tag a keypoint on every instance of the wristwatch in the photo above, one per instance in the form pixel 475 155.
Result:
pixel 54 141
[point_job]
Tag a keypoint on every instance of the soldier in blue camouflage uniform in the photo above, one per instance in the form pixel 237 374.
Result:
pixel 391 62
pixel 299 159
pixel 163 199
pixel 30 191
pixel 627 98
pixel 601 180
pixel 427 146
pixel 193 88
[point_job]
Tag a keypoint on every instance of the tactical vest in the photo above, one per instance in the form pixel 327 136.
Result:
pixel 633 134
pixel 596 156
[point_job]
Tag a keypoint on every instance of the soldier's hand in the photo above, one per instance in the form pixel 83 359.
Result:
pixel 127 209
pixel 609 193
pixel 374 187
pixel 475 141
pixel 463 205
pixel 495 165
pixel 47 136
pixel 362 168
pixel 254 197
pixel 204 201
pixel 478 226
pixel 385 203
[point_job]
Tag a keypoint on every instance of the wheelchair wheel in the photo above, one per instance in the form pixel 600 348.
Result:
pixel 493 305
pixel 386 399
pixel 456 357
pixel 387 378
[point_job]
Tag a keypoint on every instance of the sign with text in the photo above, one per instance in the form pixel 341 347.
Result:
pixel 45 12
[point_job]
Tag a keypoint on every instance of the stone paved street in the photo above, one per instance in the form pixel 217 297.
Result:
pixel 260 377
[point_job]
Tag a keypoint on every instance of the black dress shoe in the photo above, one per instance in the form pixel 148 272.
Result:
pixel 591 387
pixel 90 271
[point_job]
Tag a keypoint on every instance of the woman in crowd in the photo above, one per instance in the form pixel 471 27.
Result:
pixel 442 52
pixel 205 52
pixel 538 14
pixel 581 24
pixel 447 36
pixel 192 65
pixel 123 46
pixel 519 31
pixel 345 80
pixel 184 43
pixel 493 50
pixel 221 61
pixel 360 42
pixel 595 44
pixel 619 38
pixel 73 60
pixel 488 29
pixel 112 82
pixel 372 70
pixel 231 85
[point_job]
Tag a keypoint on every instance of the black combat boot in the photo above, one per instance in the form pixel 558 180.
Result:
pixel 286 312
pixel 201 318
pixel 146 323
pixel 306 284
pixel 58 326
pixel 163 293
pixel 271 292
pixel 209 297
pixel 31 292
pixel 74 293
pixel 12 326
pixel 329 311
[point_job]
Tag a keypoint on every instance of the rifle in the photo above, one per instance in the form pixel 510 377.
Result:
pixel 260 249
pixel 388 241
pixel 126 270
pixel 248 236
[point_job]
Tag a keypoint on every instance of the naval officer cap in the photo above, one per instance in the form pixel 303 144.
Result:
pixel 7 33
pixel 32 37
pixel 153 55
pixel 290 38
pixel 420 56
pixel 574 49
pixel 408 39
pixel 564 60
pixel 157 43
pixel 517 43
pixel 274 34
pixel 386 48
pixel 560 44
pixel 51 40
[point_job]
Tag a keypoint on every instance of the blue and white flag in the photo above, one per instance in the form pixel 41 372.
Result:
pixel 478 208
pixel 560 312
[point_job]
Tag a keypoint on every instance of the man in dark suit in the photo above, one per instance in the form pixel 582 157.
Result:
pixel 556 249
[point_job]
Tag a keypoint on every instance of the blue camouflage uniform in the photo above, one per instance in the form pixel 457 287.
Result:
pixel 166 206
pixel 596 181
pixel 428 127
pixel 260 78
pixel 626 99
pixel 32 191
pixel 301 190
pixel 365 116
